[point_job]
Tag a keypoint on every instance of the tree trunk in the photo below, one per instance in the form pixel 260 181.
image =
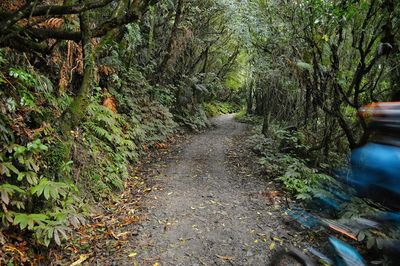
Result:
pixel 266 122
pixel 259 103
pixel 74 114
pixel 250 99
pixel 170 46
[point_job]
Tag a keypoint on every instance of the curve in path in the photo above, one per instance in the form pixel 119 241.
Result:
pixel 202 214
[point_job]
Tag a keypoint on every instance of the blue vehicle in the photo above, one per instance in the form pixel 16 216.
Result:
pixel 375 167
pixel 374 174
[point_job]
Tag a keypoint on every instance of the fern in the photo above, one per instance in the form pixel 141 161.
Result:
pixel 99 131
pixel 29 221
pixel 50 189
pixel 7 191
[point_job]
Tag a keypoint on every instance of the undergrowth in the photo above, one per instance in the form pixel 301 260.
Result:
pixel 38 195
pixel 218 108
pixel 49 178
pixel 50 175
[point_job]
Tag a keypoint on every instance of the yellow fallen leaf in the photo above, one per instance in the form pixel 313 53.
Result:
pixel 81 259
pixel 277 240
pixel 272 246
pixel 132 255
pixel 156 264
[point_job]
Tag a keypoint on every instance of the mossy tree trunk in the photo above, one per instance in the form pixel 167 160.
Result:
pixel 75 113
pixel 250 96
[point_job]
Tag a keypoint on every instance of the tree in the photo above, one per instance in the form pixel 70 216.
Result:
pixel 334 58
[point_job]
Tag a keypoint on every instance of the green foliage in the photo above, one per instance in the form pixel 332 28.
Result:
pixel 290 140
pixel 280 158
pixel 317 39
pixel 240 116
pixel 109 139
pixel 218 108
pixel 58 159
pixel 23 184
pixel 50 189
pixel 193 119
pixel 301 179
pixel 29 221
pixel 42 167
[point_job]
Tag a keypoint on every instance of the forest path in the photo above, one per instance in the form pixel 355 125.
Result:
pixel 204 212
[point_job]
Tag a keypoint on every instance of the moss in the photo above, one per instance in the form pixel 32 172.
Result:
pixel 56 156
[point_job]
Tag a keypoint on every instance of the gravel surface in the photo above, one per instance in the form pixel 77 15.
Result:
pixel 208 208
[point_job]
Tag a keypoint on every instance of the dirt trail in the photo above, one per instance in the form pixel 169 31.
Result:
pixel 204 212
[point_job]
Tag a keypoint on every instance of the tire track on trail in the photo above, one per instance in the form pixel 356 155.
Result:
pixel 201 213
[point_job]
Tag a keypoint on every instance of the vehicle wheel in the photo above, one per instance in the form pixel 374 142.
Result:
pixel 291 257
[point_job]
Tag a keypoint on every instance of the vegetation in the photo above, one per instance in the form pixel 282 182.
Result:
pixel 317 62
pixel 87 87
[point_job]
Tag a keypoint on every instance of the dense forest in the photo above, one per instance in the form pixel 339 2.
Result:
pixel 89 87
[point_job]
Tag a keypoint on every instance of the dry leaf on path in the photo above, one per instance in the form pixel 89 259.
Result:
pixel 133 254
pixel 272 246
pixel 227 258
pixel 81 259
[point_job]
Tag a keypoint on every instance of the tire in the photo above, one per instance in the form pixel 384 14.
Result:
pixel 291 257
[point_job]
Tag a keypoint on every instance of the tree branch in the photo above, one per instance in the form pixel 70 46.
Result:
pixel 48 10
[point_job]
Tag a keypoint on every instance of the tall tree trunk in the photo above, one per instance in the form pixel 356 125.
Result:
pixel 151 33
pixel 266 122
pixel 250 98
pixel 172 38
pixel 74 114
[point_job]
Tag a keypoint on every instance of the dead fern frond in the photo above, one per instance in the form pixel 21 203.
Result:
pixel 106 70
pixel 72 63
pixel 110 103
pixel 53 23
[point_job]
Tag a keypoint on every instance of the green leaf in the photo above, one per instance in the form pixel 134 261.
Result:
pixel 21 176
pixel 57 237
pixel 21 219
pixel 29 220
pixel 10 166
pixel 304 65
pixel 32 178
pixel 5 197
pixel 19 150
pixel 7 190
pixel 50 189
pixel 46 192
